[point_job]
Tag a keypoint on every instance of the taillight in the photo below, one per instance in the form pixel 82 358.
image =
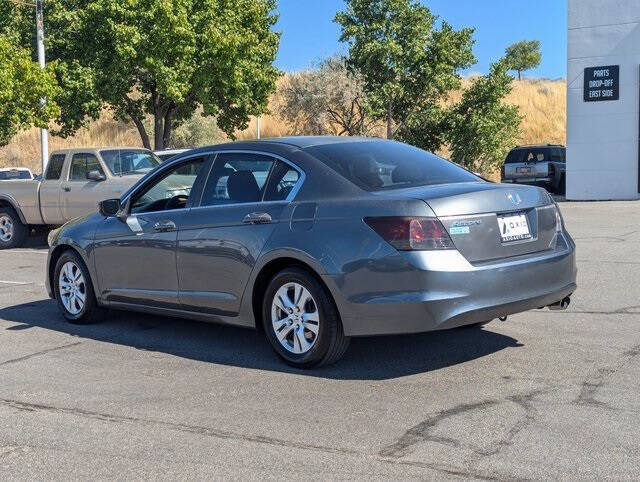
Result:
pixel 407 234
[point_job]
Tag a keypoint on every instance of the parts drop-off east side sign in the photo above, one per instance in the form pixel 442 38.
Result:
pixel 602 83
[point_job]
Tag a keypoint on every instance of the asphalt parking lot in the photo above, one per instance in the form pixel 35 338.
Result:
pixel 543 395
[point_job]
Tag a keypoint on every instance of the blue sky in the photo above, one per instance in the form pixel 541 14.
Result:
pixel 309 34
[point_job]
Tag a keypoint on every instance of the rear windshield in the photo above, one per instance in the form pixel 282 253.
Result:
pixel 123 162
pixel 14 174
pixel 381 165
pixel 514 156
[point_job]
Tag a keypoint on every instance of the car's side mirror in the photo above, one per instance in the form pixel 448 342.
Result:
pixel 109 208
pixel 95 176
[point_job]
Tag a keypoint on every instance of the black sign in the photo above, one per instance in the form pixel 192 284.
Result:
pixel 602 83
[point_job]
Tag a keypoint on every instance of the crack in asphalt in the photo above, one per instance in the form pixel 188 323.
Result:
pixel 421 432
pixel 591 386
pixel 38 353
pixel 229 435
pixel 182 427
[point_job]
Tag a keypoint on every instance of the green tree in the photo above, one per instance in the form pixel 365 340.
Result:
pixel 481 128
pixel 162 58
pixel 23 84
pixel 523 55
pixel 328 99
pixel 406 62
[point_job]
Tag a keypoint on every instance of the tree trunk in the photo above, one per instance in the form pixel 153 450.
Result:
pixel 143 132
pixel 519 74
pixel 389 120
pixel 158 123
pixel 168 121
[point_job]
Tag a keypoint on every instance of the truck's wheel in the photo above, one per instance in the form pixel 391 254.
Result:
pixel 12 231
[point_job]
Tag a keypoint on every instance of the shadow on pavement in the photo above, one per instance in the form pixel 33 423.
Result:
pixel 375 358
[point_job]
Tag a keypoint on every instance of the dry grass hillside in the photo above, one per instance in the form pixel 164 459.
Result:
pixel 542 106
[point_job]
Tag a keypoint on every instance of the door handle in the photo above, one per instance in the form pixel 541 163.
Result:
pixel 164 226
pixel 257 218
pixel 66 189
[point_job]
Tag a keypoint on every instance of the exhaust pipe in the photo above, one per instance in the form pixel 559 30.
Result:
pixel 560 305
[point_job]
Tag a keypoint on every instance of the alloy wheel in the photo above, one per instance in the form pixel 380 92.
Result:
pixel 72 288
pixel 295 318
pixel 6 228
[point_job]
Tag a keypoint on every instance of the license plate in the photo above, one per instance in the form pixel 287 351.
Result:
pixel 514 227
pixel 524 170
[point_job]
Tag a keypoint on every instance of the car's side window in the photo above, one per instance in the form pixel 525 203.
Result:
pixel 237 178
pixel 83 163
pixel 54 169
pixel 171 191
pixel 281 182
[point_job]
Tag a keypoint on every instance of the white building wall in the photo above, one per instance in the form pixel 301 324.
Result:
pixel 603 137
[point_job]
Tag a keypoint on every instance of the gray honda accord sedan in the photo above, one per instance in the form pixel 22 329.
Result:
pixel 315 240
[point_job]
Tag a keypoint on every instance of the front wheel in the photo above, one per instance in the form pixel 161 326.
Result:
pixel 74 290
pixel 301 321
pixel 12 231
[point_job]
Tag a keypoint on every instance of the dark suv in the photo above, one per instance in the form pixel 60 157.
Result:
pixel 542 165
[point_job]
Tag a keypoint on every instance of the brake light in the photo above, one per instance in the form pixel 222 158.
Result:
pixel 406 234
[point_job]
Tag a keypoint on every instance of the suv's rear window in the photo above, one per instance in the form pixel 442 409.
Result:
pixel 378 165
pixel 514 156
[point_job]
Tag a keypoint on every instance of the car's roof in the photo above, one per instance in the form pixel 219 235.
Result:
pixel 529 146
pixel 300 142
pixel 5 169
pixel 97 149
pixel 309 141
pixel 171 151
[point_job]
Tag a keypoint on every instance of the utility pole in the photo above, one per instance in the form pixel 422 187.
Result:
pixel 258 127
pixel 44 134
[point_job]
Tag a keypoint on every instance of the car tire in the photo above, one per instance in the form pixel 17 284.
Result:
pixel 74 290
pixel 12 231
pixel 307 332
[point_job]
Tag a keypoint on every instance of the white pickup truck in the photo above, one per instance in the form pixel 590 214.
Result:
pixel 75 181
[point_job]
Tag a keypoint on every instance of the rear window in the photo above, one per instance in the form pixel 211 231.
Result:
pixel 54 168
pixel 514 157
pixel 382 165
pixel 558 154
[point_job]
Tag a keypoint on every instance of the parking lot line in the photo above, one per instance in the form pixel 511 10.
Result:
pixel 17 282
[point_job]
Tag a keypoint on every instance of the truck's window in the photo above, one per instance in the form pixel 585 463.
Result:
pixel 81 164
pixel 54 170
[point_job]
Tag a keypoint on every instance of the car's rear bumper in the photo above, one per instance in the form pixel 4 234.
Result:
pixel 439 290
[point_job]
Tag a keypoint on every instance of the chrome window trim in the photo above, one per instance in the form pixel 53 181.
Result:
pixel 168 165
pixel 290 197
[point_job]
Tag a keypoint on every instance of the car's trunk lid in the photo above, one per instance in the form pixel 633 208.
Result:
pixel 470 212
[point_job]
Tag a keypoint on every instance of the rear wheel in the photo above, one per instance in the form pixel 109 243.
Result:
pixel 12 231
pixel 74 290
pixel 301 322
